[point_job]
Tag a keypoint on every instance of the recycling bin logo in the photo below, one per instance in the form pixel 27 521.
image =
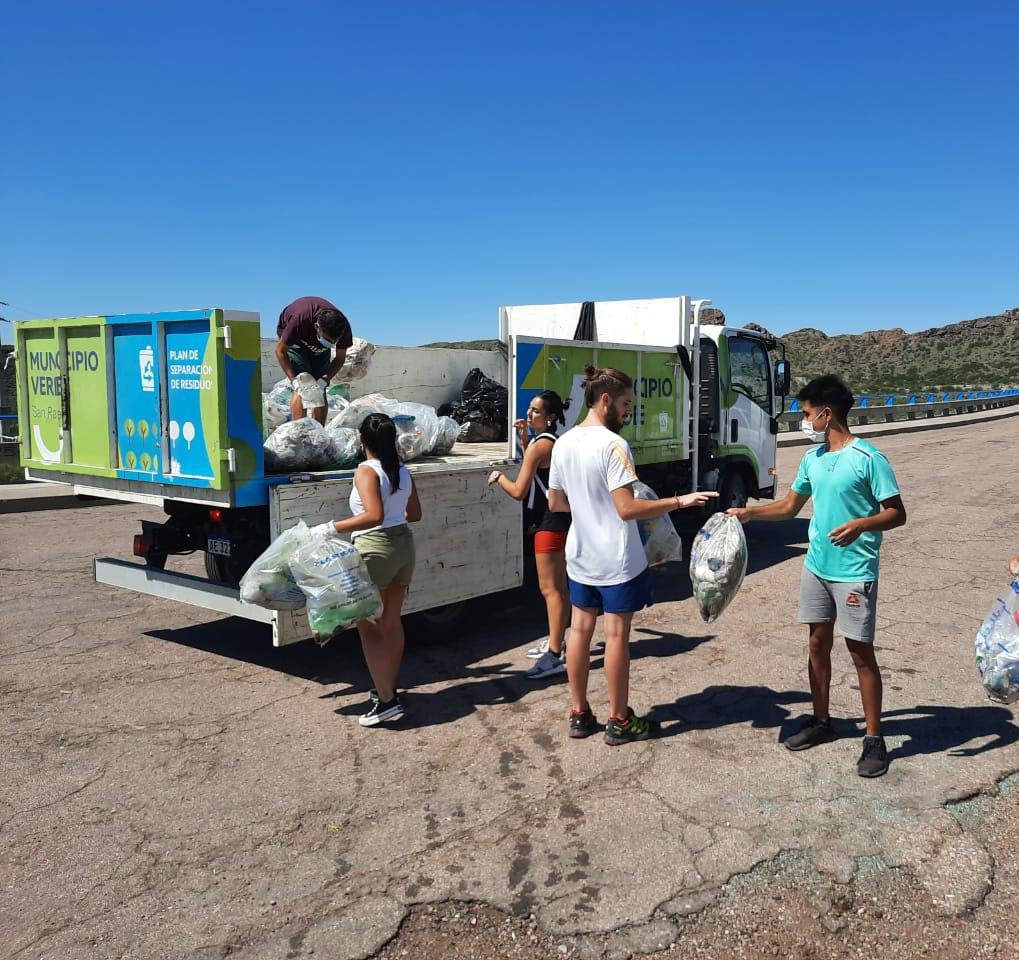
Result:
pixel 146 365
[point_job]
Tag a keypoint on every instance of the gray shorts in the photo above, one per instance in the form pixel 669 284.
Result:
pixel 852 607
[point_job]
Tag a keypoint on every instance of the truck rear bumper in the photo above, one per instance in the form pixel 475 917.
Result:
pixel 180 587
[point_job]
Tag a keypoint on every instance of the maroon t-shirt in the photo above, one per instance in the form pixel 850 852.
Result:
pixel 296 327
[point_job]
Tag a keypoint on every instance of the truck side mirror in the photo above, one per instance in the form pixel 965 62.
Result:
pixel 782 378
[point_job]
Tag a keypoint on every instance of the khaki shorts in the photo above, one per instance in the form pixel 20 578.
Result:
pixel 852 607
pixel 388 554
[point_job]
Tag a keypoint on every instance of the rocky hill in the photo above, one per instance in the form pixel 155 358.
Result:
pixel 980 353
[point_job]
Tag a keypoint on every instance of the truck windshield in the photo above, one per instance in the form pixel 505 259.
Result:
pixel 749 370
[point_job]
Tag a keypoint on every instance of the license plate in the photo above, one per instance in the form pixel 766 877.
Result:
pixel 219 546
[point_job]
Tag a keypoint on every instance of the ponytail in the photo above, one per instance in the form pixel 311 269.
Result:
pixel 599 380
pixel 555 406
pixel 378 434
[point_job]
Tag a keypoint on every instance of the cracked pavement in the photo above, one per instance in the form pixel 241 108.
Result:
pixel 172 786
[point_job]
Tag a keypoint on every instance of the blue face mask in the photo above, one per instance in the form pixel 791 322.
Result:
pixel 328 344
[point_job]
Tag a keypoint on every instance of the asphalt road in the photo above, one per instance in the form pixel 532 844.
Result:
pixel 171 786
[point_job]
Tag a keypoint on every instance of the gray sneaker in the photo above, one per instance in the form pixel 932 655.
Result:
pixel 873 761
pixel 814 733
pixel 548 666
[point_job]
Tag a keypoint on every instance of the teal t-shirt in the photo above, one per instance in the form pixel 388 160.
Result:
pixel 845 485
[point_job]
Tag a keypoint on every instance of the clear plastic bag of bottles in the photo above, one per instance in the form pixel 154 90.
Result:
pixel 662 543
pixel 997 647
pixel 718 563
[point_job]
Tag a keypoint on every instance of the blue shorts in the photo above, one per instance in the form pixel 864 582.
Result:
pixel 629 597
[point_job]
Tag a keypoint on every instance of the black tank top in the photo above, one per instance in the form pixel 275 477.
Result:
pixel 539 517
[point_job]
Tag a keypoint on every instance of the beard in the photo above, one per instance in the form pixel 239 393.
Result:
pixel 613 420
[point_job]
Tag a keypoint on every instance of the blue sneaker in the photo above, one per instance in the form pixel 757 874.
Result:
pixel 548 666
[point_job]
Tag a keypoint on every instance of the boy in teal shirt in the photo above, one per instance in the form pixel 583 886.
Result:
pixel 856 498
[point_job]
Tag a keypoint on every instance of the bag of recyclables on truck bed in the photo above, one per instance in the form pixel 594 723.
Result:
pixel 276 405
pixel 997 648
pixel 347 449
pixel 268 581
pixel 357 361
pixel 662 543
pixel 417 426
pixel 718 563
pixel 336 582
pixel 299 445
pixel 448 431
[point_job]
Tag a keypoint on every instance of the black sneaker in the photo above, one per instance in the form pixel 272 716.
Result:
pixel 633 728
pixel 382 712
pixel 873 761
pixel 814 733
pixel 582 724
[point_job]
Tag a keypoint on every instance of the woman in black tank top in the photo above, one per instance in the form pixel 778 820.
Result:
pixel 545 415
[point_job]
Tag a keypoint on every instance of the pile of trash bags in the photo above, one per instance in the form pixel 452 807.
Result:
pixel 276 403
pixel 997 648
pixel 482 410
pixel 313 568
pixel 306 445
pixel 662 543
pixel 718 563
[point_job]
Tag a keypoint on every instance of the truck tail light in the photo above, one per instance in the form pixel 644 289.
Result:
pixel 142 545
pixel 216 516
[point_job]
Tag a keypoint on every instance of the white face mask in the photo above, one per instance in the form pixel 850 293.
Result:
pixel 328 344
pixel 815 436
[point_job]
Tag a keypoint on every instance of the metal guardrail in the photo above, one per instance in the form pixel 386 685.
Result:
pixel 889 408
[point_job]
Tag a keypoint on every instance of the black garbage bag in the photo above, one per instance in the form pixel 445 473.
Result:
pixel 483 409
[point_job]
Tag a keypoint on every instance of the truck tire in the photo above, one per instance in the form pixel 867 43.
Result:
pixel 733 492
pixel 440 619
pixel 225 570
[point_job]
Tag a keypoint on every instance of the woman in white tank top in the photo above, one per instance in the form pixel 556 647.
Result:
pixel 382 502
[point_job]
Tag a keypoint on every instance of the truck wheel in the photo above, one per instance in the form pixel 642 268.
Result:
pixel 443 618
pixel 733 492
pixel 223 570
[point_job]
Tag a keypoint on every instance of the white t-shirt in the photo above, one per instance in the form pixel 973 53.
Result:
pixel 588 463
pixel 394 505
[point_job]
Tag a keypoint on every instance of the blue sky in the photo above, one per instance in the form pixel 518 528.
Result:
pixel 840 165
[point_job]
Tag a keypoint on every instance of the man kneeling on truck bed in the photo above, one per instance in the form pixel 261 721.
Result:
pixel 308 330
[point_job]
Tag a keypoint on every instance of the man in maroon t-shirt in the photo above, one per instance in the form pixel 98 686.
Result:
pixel 308 330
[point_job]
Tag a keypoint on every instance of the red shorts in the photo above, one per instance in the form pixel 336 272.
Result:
pixel 549 541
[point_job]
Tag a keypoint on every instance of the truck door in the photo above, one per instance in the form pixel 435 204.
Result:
pixel 747 428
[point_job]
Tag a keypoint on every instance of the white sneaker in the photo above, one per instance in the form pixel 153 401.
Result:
pixel 536 653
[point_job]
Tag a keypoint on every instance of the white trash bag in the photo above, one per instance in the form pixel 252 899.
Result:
pixel 662 543
pixel 336 582
pixel 312 394
pixel 997 648
pixel 347 449
pixel 268 581
pixel 425 426
pixel 448 431
pixel 356 362
pixel 276 405
pixel 336 403
pixel 354 415
pixel 718 563
pixel 298 445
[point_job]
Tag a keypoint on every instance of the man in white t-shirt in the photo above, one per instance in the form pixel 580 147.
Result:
pixel 592 477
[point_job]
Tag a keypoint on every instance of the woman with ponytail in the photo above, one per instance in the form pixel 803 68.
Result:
pixel 546 414
pixel 383 501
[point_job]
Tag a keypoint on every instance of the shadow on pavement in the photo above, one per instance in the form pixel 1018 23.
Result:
pixel 726 704
pixel 940 729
